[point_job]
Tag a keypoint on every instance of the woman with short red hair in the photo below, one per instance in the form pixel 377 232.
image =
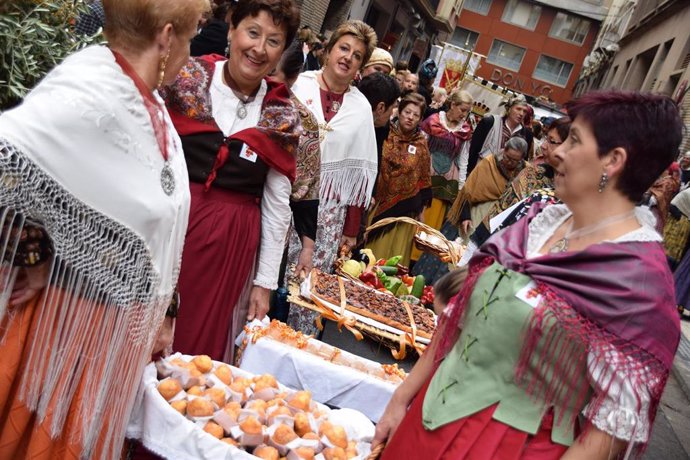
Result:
pixel 568 312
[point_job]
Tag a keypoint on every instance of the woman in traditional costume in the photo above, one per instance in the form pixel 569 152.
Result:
pixel 531 179
pixel 348 146
pixel 449 134
pixel 404 184
pixel 239 132
pixel 94 199
pixel 569 311
pixel 493 131
pixel 449 141
pixel 486 184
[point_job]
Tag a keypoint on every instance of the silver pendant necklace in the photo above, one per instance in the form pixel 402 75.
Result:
pixel 241 110
pixel 243 100
pixel 562 244
pixel 167 179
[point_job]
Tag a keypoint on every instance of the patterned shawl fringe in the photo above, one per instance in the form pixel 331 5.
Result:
pixel 96 321
pixel 565 346
pixel 349 182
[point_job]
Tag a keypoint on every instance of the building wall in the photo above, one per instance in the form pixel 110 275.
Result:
pixel 657 58
pixel 313 13
pixel 536 42
pixel 652 60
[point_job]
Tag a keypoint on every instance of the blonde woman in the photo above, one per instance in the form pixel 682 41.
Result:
pixel 348 144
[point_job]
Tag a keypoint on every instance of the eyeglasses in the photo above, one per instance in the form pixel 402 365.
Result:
pixel 511 161
pixel 552 142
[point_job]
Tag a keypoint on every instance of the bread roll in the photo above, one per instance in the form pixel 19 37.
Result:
pixel 283 435
pixel 214 430
pixel 168 388
pixel 267 453
pixel 203 363
pixel 334 453
pixel 180 406
pixel 200 407
pixel 224 373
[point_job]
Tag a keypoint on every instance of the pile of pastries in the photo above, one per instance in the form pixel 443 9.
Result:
pixel 253 414
pixel 283 333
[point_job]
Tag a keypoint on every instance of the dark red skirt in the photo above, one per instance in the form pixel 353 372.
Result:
pixel 219 254
pixel 476 437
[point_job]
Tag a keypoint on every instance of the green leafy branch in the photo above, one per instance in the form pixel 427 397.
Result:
pixel 35 36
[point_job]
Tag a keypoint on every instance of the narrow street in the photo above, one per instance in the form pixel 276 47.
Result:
pixel 671 435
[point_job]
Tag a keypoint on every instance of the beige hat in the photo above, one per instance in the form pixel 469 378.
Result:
pixel 380 56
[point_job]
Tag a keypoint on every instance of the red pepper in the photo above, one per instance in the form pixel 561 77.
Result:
pixel 408 280
pixel 380 262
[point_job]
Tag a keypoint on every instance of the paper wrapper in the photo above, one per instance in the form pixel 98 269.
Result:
pixel 247 440
pixel 266 394
pixel 224 419
pixel 282 448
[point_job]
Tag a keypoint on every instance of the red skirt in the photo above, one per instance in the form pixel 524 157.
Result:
pixel 475 437
pixel 218 258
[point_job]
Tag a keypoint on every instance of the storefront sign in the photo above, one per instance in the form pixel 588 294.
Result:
pixel 512 80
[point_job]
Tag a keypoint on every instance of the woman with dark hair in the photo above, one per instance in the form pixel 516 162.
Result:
pixel 239 133
pixel 533 179
pixel 535 338
pixel 404 184
pixel 348 145
pixel 93 203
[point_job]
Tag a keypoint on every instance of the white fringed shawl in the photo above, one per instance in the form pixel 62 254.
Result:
pixel 80 157
pixel 348 144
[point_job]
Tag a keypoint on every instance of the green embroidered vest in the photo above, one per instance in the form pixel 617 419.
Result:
pixel 479 371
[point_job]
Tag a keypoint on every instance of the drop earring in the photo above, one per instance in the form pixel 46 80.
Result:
pixel 603 181
pixel 162 64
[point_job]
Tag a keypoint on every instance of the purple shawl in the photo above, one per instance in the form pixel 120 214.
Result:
pixel 609 294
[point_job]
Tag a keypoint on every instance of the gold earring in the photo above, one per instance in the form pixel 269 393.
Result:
pixel 161 68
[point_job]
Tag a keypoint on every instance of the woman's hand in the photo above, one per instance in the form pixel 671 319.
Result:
pixel 305 262
pixel 465 226
pixel 258 303
pixel 30 281
pixel 389 422
pixel 349 241
pixel 166 334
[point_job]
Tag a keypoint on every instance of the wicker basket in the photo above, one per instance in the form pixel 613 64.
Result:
pixel 445 250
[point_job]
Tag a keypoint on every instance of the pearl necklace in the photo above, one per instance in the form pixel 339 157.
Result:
pixel 562 244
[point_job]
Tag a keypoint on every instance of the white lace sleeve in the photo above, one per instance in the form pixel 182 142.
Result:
pixel 619 415
pixel 275 220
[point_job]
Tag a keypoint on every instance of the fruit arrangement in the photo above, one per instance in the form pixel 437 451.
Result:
pixel 388 275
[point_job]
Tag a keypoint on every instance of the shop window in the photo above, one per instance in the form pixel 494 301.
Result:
pixel 553 70
pixel 478 6
pixel 464 38
pixel 569 28
pixel 521 14
pixel 506 55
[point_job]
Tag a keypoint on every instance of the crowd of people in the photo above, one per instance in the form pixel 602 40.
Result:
pixel 149 200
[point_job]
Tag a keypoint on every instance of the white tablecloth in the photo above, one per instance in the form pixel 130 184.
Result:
pixel 170 435
pixel 329 383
